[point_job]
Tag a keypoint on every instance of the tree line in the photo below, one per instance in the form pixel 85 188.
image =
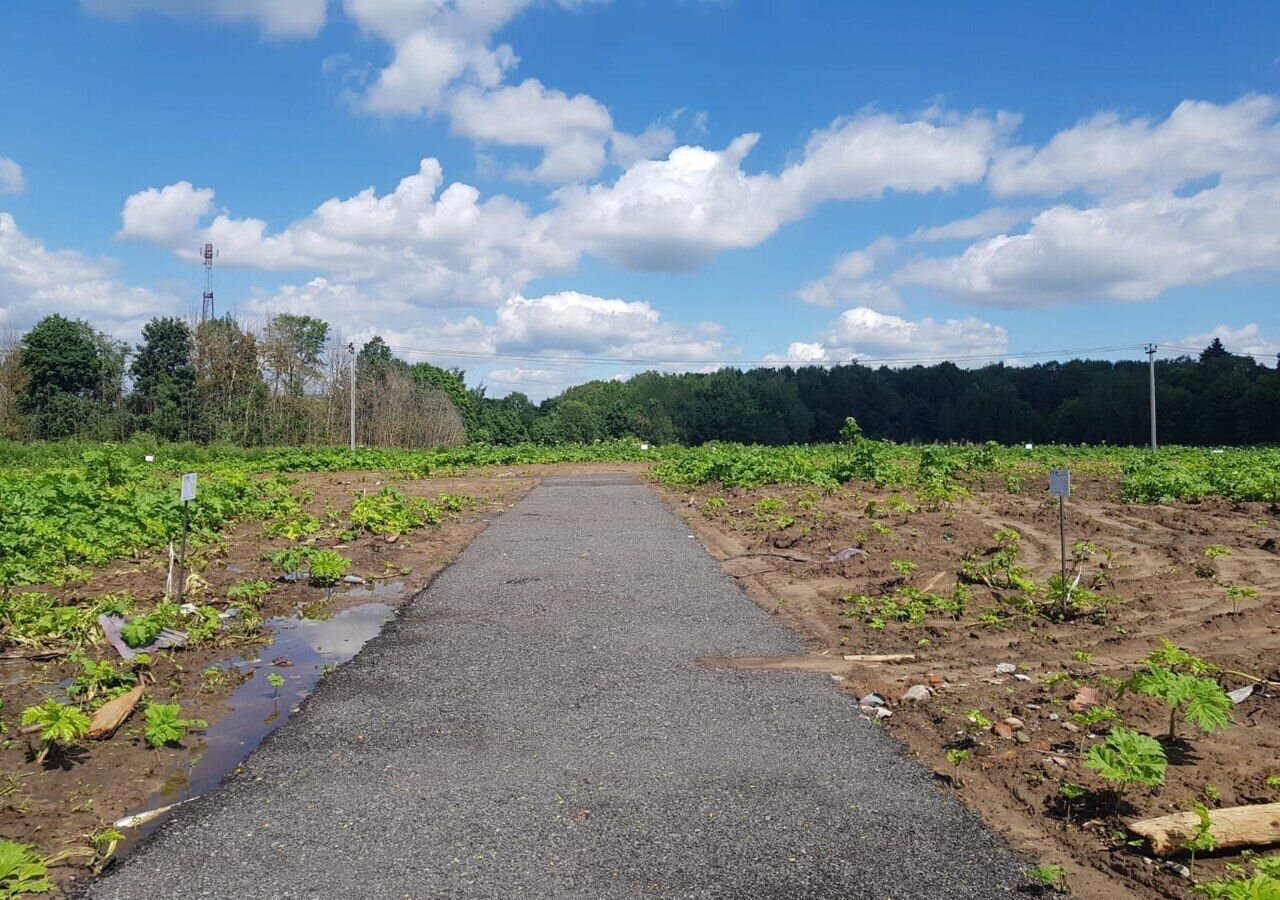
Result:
pixel 287 382
pixel 220 381
pixel 1215 398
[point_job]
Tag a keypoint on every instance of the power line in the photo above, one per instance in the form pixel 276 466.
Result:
pixel 645 361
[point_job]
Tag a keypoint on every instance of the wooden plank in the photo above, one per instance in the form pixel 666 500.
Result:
pixel 111 715
pixel 879 657
pixel 1236 826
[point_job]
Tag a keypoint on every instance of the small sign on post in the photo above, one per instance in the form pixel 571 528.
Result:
pixel 1060 487
pixel 188 493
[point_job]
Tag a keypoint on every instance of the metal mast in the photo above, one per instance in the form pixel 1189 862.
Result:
pixel 206 304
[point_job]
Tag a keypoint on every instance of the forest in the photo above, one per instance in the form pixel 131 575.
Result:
pixel 288 383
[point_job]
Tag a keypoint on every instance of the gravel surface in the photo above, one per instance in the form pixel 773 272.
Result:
pixel 535 725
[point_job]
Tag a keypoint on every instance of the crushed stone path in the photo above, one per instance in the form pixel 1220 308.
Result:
pixel 535 725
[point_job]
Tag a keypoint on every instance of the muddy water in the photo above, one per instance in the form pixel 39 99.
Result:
pixel 301 650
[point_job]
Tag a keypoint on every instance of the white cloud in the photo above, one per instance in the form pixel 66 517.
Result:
pixel 11 178
pixel 1108 155
pixel 1248 340
pixel 423 243
pixel 36 281
pixel 571 131
pixel 159 214
pixel 1132 250
pixel 850 280
pixel 864 334
pixel 679 212
pixel 988 222
pixel 277 18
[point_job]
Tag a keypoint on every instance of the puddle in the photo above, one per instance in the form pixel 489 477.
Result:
pixel 373 589
pixel 258 709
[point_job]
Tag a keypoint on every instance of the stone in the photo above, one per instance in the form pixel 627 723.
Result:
pixel 917 693
pixel 1006 669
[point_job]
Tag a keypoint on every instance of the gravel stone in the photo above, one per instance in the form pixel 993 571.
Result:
pixel 554 736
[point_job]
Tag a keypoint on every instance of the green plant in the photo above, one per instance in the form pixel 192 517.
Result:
pixel 328 567
pixel 1083 656
pixel 60 725
pixel 164 724
pixel 1200 841
pixel 1264 884
pixel 1052 876
pixel 22 870
pixel 141 631
pixel 99 681
pixel 1236 593
pixel 904 567
pixel 1272 782
pixel 998 566
pixel 1126 758
pixel 1214 551
pixel 977 720
pixel 250 591
pixel 276 681
pixel 390 512
pixel 1201 701
pixel 1070 793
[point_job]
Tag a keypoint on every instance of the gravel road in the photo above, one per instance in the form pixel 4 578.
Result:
pixel 535 725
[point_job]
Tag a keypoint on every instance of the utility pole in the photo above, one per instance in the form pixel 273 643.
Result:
pixel 351 351
pixel 1151 361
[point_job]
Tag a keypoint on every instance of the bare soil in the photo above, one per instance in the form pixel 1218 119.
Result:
pixel 57 805
pixel 1165 586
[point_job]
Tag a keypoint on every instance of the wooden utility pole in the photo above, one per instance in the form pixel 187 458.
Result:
pixel 1151 363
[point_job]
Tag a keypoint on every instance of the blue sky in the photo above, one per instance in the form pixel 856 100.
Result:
pixel 669 180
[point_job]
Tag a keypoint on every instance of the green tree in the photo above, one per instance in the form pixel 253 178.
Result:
pixel 164 379
pixel 73 380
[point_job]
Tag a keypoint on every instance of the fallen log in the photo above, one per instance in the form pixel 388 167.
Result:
pixel 111 715
pixel 1236 826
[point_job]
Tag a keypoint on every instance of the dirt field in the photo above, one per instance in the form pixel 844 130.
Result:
pixel 1151 559
pixel 73 795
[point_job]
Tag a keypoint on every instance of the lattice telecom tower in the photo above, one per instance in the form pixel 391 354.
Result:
pixel 206 304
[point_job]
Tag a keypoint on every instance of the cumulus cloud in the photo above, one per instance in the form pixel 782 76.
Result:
pixel 423 243
pixel 35 281
pixel 679 212
pixel 850 280
pixel 865 334
pixel 276 18
pixel 11 177
pixel 1247 340
pixel 1132 250
pixel 161 214
pixel 572 132
pixel 1109 155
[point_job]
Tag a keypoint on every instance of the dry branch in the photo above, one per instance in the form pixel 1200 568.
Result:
pixel 1236 826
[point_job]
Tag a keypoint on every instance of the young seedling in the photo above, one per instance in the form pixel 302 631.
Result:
pixel 955 757
pixel 1127 758
pixel 1201 840
pixel 1070 793
pixel 276 681
pixel 1236 593
pixel 1054 877
pixel 1200 701
pixel 165 726
pixel 60 725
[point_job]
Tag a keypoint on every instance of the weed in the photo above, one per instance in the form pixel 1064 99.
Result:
pixel 904 567
pixel 1050 876
pixel 1201 701
pixel 22 870
pixel 1127 758
pixel 390 512
pixel 1214 551
pixel 276 681
pixel 252 591
pixel 99 681
pixel 1201 840
pixel 1236 593
pixel 165 726
pixel 60 725
pixel 1264 884
pixel 1070 793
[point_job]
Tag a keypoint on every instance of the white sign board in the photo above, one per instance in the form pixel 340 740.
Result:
pixel 188 487
pixel 1060 482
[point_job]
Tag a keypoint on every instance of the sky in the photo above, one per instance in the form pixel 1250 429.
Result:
pixel 548 192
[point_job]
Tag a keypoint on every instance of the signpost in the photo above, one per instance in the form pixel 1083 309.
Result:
pixel 188 494
pixel 1060 487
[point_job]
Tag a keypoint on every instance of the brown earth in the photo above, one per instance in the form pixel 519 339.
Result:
pixel 57 805
pixel 1163 583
